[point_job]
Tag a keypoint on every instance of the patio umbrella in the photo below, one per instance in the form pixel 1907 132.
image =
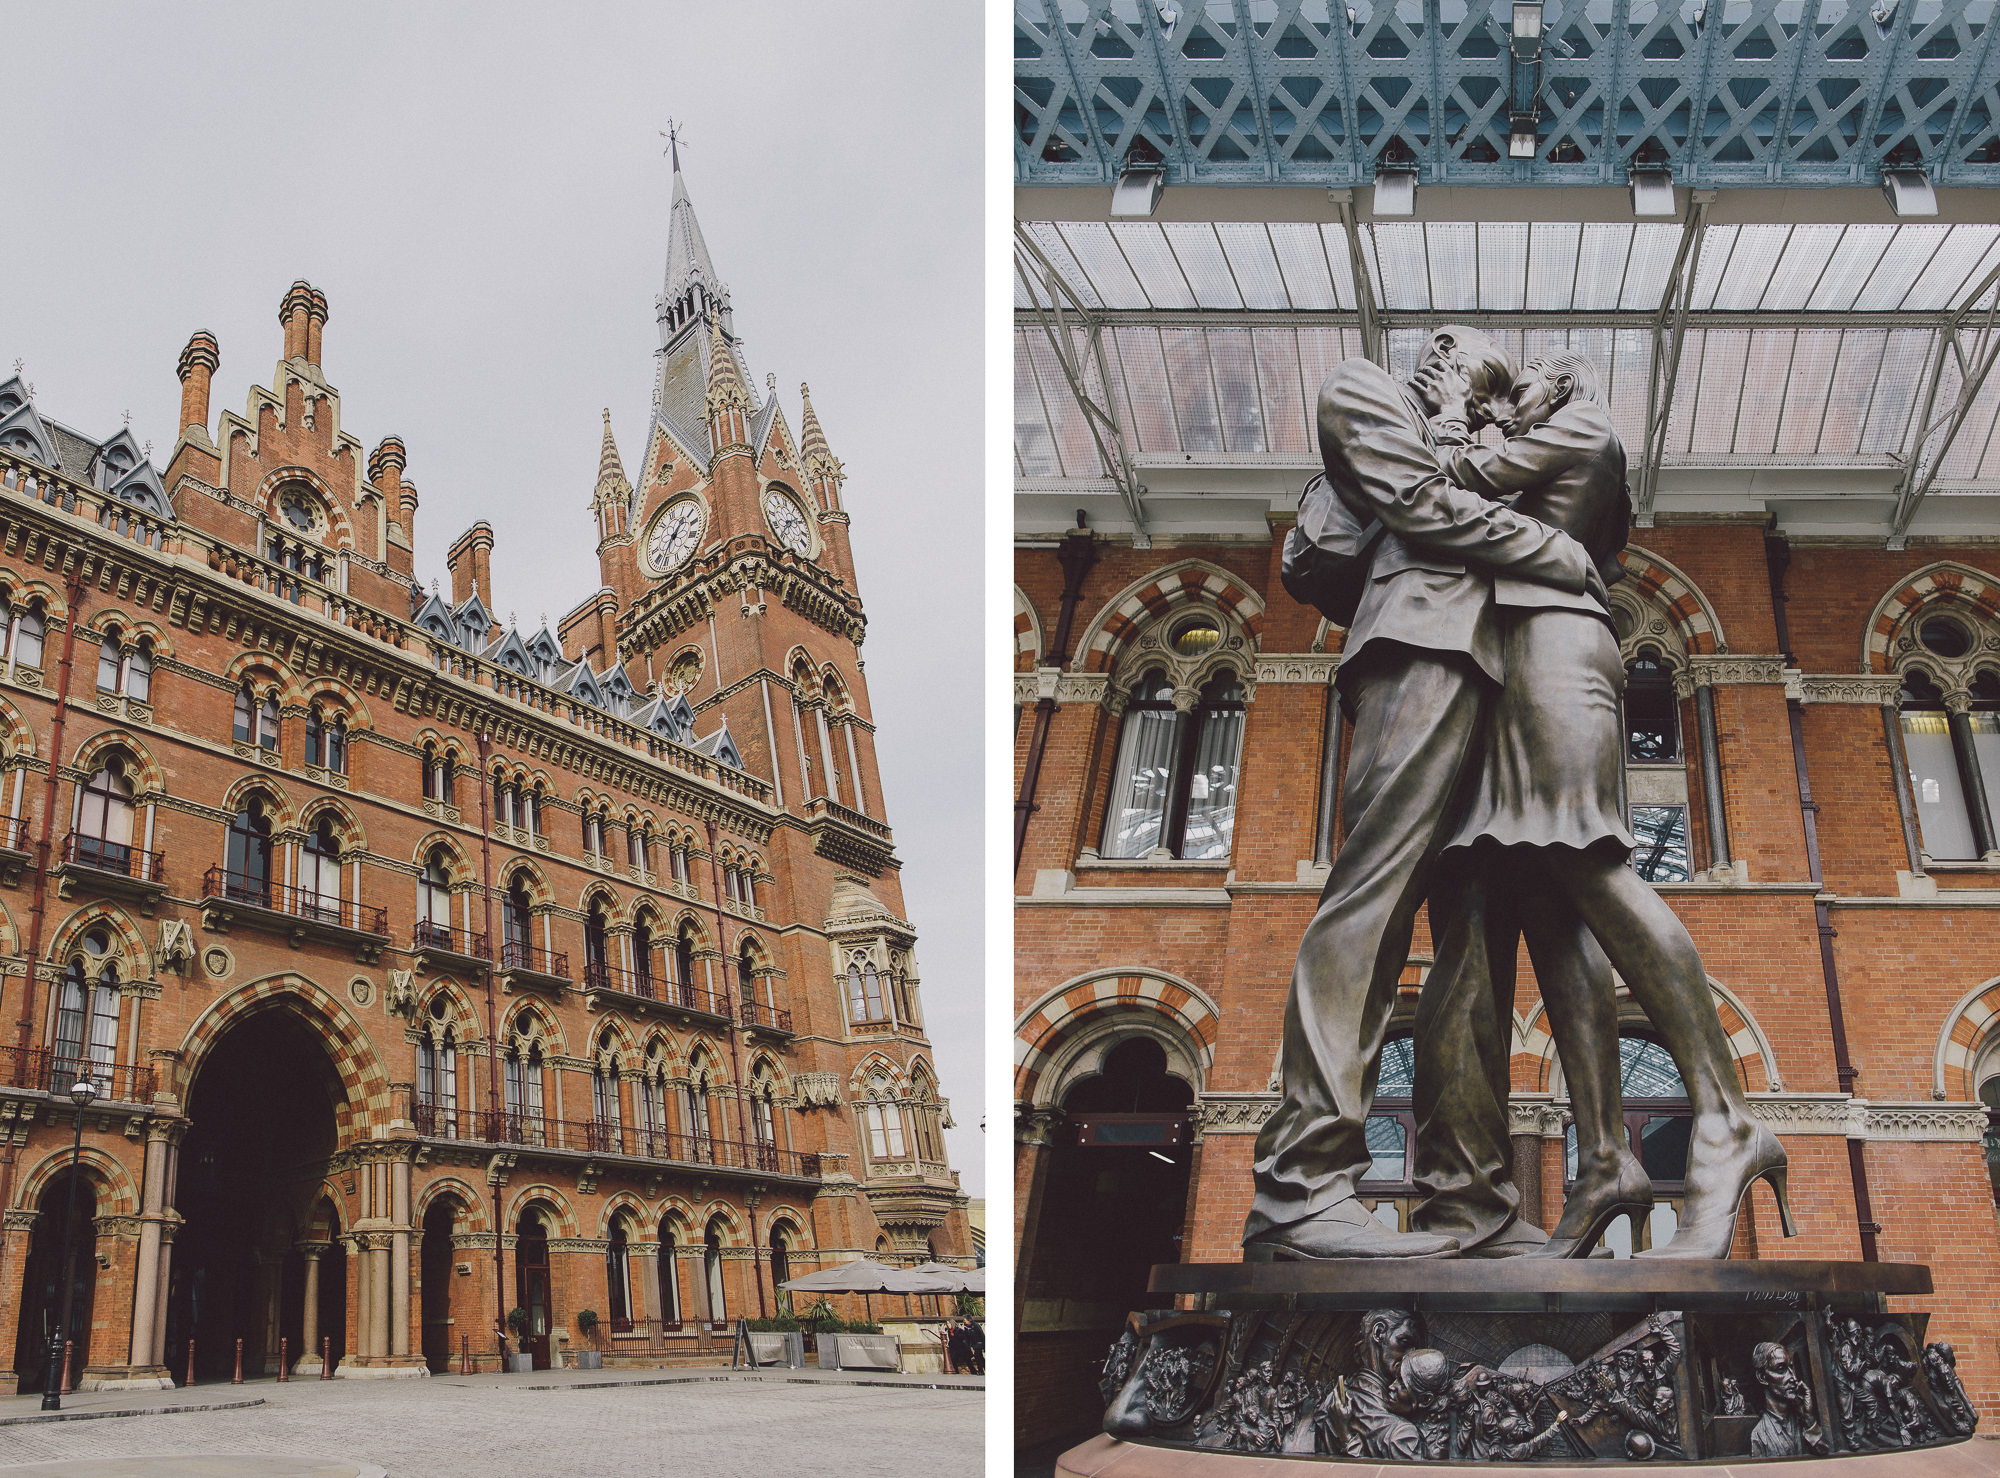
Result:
pixel 962 1280
pixel 864 1277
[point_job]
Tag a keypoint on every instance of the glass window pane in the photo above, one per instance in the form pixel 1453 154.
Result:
pixel 1229 352
pixel 1302 259
pixel 1503 264
pixel 1387 1149
pixel 1569 1152
pixel 1193 391
pixel 1284 402
pixel 1986 745
pixel 1857 256
pixel 1200 256
pixel 1646 1070
pixel 1661 832
pixel 1663 1146
pixel 1941 810
pixel 1140 784
pixel 1256 269
pixel 1398 1076
pixel 1553 269
pixel 1211 813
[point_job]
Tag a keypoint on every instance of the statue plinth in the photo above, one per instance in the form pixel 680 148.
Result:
pixel 1530 1360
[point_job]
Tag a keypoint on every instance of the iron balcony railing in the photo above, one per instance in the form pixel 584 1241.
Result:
pixel 428 935
pixel 14 833
pixel 122 858
pixel 771 1018
pixel 655 988
pixel 515 955
pixel 607 1137
pixel 49 1072
pixel 221 884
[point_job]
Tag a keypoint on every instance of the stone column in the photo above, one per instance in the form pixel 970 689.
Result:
pixel 16 1232
pixel 1711 773
pixel 270 1282
pixel 1034 1144
pixel 357 1257
pixel 399 1260
pixel 649 1290
pixel 309 1358
pixel 167 1231
pixel 147 1276
pixel 1959 707
pixel 1524 1130
pixel 379 1290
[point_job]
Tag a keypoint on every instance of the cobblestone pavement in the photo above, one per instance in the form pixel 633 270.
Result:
pixel 473 1427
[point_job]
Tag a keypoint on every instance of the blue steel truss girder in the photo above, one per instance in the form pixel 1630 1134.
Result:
pixel 1760 92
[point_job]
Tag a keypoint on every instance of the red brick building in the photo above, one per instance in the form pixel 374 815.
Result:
pixel 431 969
pixel 1811 618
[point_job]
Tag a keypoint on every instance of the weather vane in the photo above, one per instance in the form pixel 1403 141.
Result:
pixel 673 138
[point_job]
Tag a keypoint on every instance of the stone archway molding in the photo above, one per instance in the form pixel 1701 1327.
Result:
pixel 1055 1036
pixel 347 1045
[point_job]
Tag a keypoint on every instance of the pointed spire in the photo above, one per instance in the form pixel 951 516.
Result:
pixel 687 253
pixel 726 393
pixel 815 455
pixel 610 470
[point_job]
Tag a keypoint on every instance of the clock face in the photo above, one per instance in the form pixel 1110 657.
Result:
pixel 788 523
pixel 675 534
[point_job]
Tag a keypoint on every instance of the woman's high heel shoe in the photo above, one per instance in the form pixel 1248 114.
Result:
pixel 1589 1210
pixel 1761 1158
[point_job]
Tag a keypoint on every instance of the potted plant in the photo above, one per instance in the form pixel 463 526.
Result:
pixel 517 1320
pixel 591 1359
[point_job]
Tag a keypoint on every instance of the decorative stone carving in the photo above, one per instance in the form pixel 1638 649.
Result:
pixel 817 1090
pixel 1730 671
pixel 1235 1113
pixel 402 994
pixel 1875 692
pixel 1310 667
pixel 176 948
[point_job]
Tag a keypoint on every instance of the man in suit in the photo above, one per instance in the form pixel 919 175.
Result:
pixel 1422 661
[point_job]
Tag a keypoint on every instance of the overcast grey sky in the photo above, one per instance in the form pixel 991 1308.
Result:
pixel 479 191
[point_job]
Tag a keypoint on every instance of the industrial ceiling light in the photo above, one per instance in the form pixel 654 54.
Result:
pixel 1137 193
pixel 1396 190
pixel 1527 31
pixel 1653 192
pixel 1522 140
pixel 1909 192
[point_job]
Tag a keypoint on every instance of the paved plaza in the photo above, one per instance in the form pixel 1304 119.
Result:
pixel 566 1422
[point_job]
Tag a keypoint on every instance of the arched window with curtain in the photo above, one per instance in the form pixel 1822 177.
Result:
pixel 670 1278
pixel 604 1080
pixel 104 817
pixel 138 676
pixel 596 949
pixel 882 1120
pixel 618 1278
pixel 110 661
pixel 746 975
pixel 684 965
pixel 593 833
pixel 26 629
pixel 718 1302
pixel 256 720
pixel 651 1107
pixel 1173 784
pixel 517 920
pixel 87 1015
pixel 866 1001
pixel 248 870
pixel 642 958
pixel 326 740
pixel 694 1104
pixel 434 902
pixel 1653 740
pixel 319 870
pixel 437 1072
pixel 524 1093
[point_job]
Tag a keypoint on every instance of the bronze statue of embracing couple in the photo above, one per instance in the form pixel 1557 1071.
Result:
pixel 1485 775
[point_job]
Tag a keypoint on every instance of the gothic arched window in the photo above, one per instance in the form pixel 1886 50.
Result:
pixel 249 865
pixel 104 818
pixel 1173 786
pixel 87 1014
pixel 596 949
pixel 319 870
pixel 865 999
pixel 24 636
pixel 882 1119
pixel 642 958
pixel 437 1072
pixel 434 902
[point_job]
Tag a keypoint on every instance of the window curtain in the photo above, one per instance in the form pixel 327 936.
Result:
pixel 1141 783
pixel 1941 808
pixel 1211 814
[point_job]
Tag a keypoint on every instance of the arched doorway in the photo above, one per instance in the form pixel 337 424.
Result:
pixel 262 1123
pixel 531 1285
pixel 440 1336
pixel 1113 1204
pixel 41 1288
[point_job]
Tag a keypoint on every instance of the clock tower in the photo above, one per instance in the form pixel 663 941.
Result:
pixel 728 585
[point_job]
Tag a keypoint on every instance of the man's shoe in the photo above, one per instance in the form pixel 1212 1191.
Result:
pixel 1341 1231
pixel 1518 1239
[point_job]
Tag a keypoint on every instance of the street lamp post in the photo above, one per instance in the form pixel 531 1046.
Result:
pixel 81 1092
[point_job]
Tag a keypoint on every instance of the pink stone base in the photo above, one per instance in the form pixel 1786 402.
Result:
pixel 1105 1457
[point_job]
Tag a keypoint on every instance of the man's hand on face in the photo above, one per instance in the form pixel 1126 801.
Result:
pixel 1444 387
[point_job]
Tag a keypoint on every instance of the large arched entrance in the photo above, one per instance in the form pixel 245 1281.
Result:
pixel 41 1289
pixel 1114 1203
pixel 440 1335
pixel 262 1114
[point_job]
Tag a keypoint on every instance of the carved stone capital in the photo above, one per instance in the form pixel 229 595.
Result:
pixel 1315 668
pixel 1037 1127
pixel 1860 688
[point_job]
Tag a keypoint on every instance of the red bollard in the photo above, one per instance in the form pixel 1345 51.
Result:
pixel 190 1380
pixel 326 1358
pixel 465 1354
pixel 237 1379
pixel 284 1364
pixel 68 1347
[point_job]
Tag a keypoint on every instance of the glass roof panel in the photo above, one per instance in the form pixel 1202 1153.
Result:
pixel 1896 387
pixel 1284 396
pixel 1764 378
pixel 1718 390
pixel 1144 371
pixel 1454 264
pixel 1552 265
pixel 1057 250
pixel 1235 369
pixel 1098 255
pixel 1034 447
pixel 1193 392
pixel 1159 274
pixel 1320 349
pixel 1631 365
pixel 1249 253
pixel 1969 452
pixel 1716 245
pixel 1645 1069
pixel 1403 264
pixel 1804 410
pixel 1750 267
pixel 1600 265
pixel 1335 243
pixel 1074 444
pixel 1201 259
pixel 1654 248
pixel 1851 389
pixel 1371 257
pixel 1954 271
pixel 1798 271
pixel 1503 265
pixel 1857 255
pixel 1302 260
pixel 1902 264
pixel 1021 298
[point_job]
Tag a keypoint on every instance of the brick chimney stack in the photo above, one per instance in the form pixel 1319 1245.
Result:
pixel 303 313
pixel 385 470
pixel 470 561
pixel 197 368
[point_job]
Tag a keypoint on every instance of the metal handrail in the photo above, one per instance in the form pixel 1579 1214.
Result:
pixel 430 935
pixel 608 1137
pixel 42 1070
pixel 300 903
pixel 122 858
pixel 517 956
pixel 756 1013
